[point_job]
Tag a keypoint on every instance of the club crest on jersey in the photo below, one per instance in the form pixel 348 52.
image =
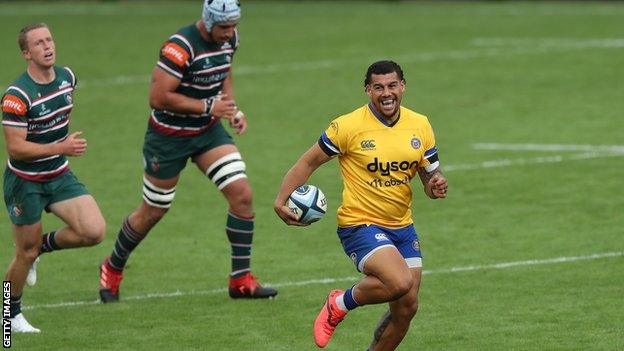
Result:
pixel 68 98
pixel 415 143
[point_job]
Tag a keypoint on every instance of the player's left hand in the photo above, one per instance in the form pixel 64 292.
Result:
pixel 239 122
pixel 438 185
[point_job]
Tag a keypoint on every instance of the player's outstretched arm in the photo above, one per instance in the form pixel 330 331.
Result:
pixel 295 177
pixel 434 183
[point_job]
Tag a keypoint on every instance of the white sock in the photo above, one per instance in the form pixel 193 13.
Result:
pixel 341 304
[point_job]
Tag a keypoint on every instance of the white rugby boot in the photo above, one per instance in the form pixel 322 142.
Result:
pixel 19 324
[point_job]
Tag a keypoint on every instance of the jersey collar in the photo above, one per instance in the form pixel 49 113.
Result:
pixel 381 118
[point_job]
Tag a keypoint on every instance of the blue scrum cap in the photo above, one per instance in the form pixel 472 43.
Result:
pixel 219 11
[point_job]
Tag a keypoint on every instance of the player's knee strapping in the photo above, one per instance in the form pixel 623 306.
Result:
pixel 157 197
pixel 227 169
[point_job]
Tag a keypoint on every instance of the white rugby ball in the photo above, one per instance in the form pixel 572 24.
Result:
pixel 308 203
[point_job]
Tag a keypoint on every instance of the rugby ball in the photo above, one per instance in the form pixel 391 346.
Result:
pixel 308 203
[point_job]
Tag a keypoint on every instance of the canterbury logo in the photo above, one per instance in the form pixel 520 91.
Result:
pixel 367 144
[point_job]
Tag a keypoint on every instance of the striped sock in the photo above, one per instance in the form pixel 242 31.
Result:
pixel 127 241
pixel 48 243
pixel 240 234
pixel 16 305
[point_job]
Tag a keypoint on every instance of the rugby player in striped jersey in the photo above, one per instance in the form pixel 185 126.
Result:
pixel 191 91
pixel 36 110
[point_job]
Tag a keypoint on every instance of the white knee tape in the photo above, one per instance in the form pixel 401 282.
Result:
pixel 227 169
pixel 157 197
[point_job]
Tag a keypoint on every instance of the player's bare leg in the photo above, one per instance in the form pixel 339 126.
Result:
pixel 27 244
pixel 86 225
pixel 225 167
pixel 394 324
pixel 387 279
pixel 134 229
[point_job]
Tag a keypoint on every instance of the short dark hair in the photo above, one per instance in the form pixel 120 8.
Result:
pixel 21 38
pixel 383 67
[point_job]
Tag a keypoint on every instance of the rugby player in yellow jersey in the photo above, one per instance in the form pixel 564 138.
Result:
pixel 380 146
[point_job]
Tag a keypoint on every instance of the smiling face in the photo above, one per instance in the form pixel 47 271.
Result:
pixel 385 92
pixel 39 50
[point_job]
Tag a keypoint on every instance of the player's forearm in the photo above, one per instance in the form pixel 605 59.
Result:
pixel 25 150
pixel 178 103
pixel 295 177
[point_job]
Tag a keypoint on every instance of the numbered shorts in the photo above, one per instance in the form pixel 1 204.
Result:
pixel 361 241
pixel 165 156
pixel 25 200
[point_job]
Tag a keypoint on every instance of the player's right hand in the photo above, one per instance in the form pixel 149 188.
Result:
pixel 73 145
pixel 287 216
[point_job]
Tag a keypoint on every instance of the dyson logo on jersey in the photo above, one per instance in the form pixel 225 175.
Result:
pixel 386 167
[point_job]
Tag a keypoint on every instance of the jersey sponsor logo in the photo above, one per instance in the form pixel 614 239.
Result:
pixel 14 105
pixel 415 143
pixel 175 53
pixel 367 144
pixel 44 110
pixel 381 237
pixel 213 78
pixel 386 167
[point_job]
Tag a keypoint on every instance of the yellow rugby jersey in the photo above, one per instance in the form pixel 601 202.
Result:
pixel 377 162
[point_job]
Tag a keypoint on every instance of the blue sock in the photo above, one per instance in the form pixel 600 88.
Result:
pixel 349 301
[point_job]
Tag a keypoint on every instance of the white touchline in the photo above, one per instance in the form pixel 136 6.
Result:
pixel 549 147
pixel 507 162
pixel 480 267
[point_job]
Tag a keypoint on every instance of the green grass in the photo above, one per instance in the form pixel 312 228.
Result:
pixel 500 72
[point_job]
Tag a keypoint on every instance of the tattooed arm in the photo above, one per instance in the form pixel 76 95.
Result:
pixel 434 183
